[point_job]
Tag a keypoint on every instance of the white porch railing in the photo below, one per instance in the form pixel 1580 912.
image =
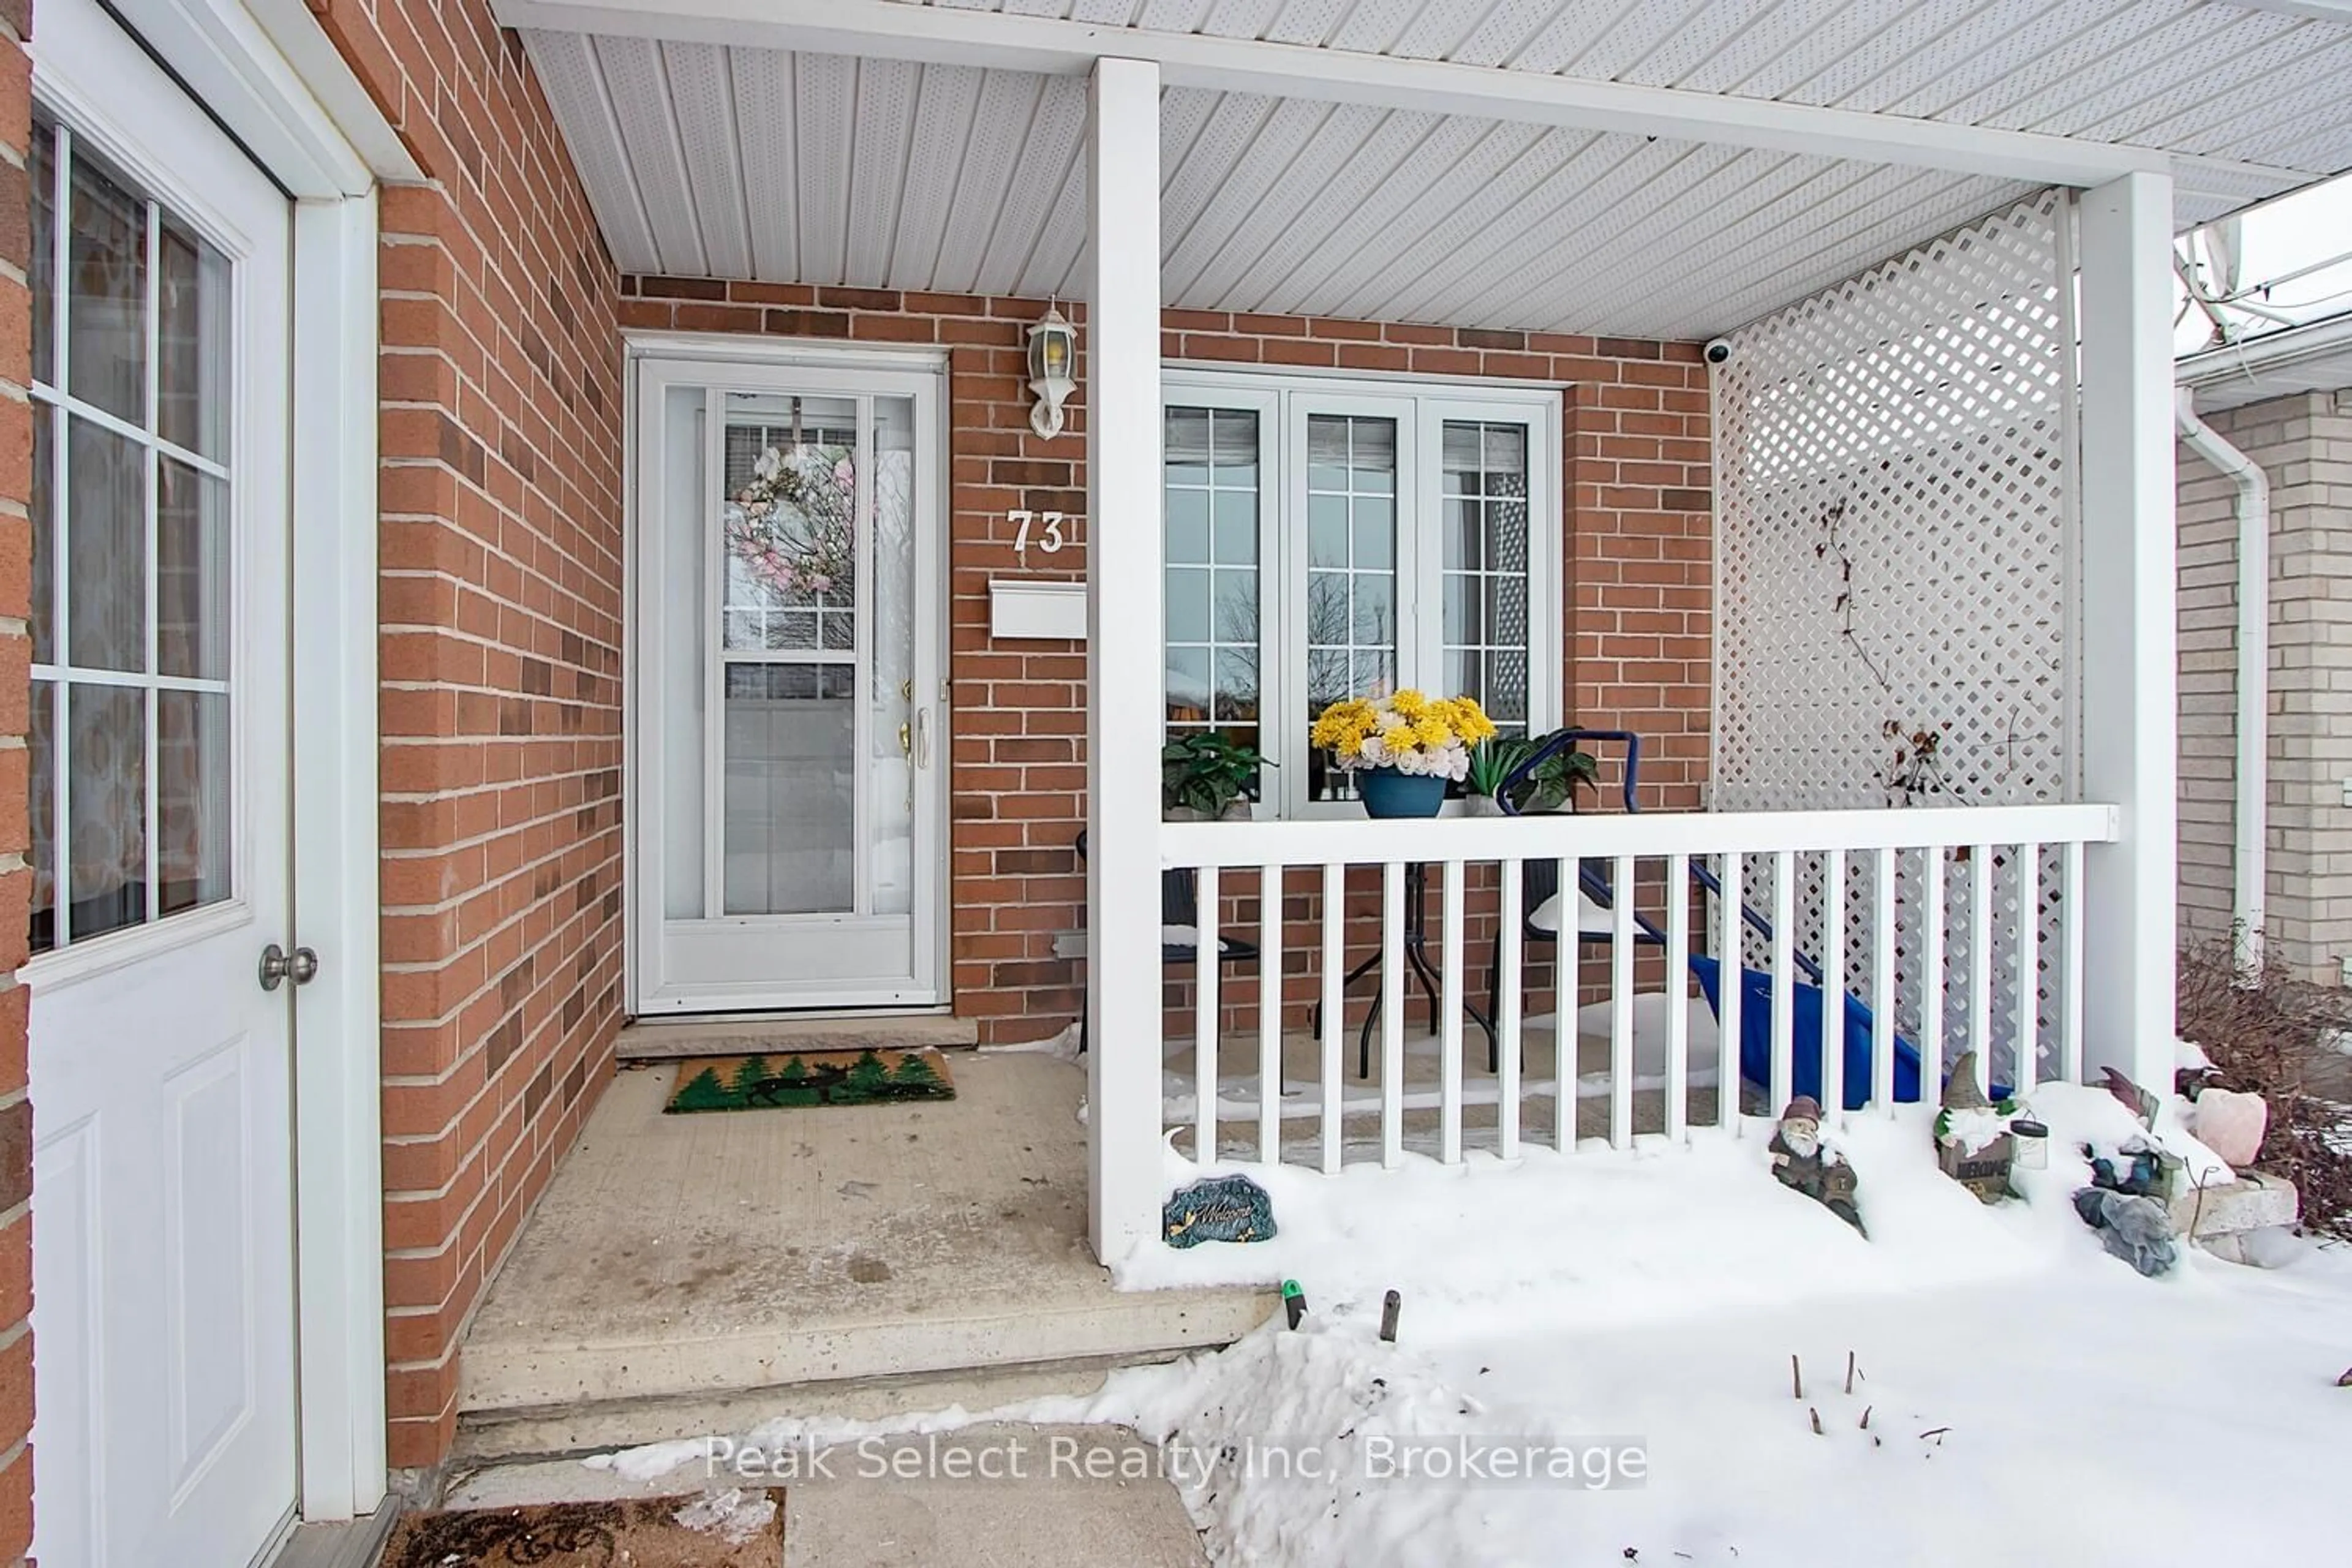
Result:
pixel 1909 966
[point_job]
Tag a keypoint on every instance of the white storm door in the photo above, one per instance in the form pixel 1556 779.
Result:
pixel 792 848
pixel 163 1191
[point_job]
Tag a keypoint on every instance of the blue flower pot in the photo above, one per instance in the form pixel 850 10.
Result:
pixel 1388 792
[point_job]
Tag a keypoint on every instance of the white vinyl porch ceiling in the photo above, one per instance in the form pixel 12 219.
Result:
pixel 730 160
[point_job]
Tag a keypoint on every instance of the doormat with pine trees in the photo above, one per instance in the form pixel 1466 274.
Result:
pixel 811 1077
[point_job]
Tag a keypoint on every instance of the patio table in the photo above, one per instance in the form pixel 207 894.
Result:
pixel 1416 958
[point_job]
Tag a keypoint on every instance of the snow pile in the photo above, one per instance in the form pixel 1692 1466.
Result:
pixel 732 1514
pixel 1062 1046
pixel 2017 1396
pixel 1973 1128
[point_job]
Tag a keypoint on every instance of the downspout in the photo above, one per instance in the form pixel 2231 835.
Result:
pixel 2253 698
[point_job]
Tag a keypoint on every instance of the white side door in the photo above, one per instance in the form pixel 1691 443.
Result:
pixel 791 842
pixel 161 1068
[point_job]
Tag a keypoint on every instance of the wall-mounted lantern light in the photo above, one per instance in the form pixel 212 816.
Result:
pixel 1053 370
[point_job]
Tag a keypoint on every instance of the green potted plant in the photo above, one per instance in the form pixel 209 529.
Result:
pixel 1552 785
pixel 1203 776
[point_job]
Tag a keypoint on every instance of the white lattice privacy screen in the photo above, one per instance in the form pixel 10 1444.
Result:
pixel 1896 557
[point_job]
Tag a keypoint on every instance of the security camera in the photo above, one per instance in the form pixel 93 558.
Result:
pixel 1719 352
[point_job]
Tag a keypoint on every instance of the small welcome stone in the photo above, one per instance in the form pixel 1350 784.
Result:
pixel 1218 1209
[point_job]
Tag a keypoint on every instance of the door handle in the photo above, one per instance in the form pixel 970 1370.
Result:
pixel 278 966
pixel 922 737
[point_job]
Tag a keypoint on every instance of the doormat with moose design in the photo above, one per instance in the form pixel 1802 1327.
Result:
pixel 811 1077
pixel 726 1528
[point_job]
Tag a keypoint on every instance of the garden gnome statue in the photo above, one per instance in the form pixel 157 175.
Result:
pixel 1972 1141
pixel 1802 1162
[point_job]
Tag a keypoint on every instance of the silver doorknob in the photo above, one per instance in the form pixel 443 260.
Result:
pixel 278 966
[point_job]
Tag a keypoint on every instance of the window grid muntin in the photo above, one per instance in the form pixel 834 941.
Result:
pixel 1227 661
pixel 1484 507
pixel 1356 657
pixel 771 619
pixel 56 680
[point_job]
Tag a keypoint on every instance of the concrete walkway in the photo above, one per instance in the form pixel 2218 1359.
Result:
pixel 855 1517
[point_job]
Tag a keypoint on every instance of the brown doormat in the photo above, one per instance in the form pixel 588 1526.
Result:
pixel 728 1528
pixel 811 1077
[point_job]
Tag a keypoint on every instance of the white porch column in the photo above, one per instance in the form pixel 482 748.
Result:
pixel 2130 669
pixel 1123 654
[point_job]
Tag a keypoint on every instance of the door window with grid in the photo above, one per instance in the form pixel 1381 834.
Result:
pixel 130 731
pixel 1327 540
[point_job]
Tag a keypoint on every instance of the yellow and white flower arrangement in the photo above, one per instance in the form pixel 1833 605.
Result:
pixel 1408 731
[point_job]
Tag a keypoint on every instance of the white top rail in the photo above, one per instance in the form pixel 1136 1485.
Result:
pixel 1368 841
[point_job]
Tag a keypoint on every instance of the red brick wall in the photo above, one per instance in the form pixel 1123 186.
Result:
pixel 16 878
pixel 500 606
pixel 1640 573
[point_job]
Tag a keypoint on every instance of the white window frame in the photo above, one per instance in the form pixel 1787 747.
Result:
pixel 1283 400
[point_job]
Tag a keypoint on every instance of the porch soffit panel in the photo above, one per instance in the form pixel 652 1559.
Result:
pixel 2259 83
pixel 712 160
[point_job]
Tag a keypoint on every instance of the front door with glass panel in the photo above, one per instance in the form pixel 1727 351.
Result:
pixel 163 1184
pixel 790 847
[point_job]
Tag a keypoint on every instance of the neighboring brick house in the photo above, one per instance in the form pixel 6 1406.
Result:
pixel 2284 399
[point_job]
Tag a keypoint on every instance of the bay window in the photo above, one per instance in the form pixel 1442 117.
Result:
pixel 1330 538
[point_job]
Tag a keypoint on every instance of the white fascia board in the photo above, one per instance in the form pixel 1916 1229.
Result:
pixel 267 70
pixel 2316 356
pixel 2309 10
pixel 942 34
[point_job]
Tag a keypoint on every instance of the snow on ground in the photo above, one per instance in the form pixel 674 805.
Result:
pixel 2032 1400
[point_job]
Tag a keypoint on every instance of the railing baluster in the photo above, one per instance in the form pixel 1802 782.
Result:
pixel 1620 1005
pixel 1449 1028
pixel 1507 938
pixel 1731 986
pixel 1568 996
pixel 1204 1016
pixel 1678 988
pixel 1980 959
pixel 1883 982
pixel 2027 1069
pixel 1391 1015
pixel 1931 975
pixel 1784 990
pixel 2070 933
pixel 1335 1022
pixel 1833 1045
pixel 1958 1005
pixel 1269 1013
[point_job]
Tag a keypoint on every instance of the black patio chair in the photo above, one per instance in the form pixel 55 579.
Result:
pixel 1180 911
pixel 1544 910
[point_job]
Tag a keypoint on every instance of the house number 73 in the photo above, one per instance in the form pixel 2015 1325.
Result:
pixel 1048 534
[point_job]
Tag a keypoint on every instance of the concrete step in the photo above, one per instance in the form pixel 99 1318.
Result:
pixel 1096 1328
pixel 671 1039
pixel 587 1427
pixel 681 1271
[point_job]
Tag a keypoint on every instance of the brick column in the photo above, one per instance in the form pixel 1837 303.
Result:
pixel 501 611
